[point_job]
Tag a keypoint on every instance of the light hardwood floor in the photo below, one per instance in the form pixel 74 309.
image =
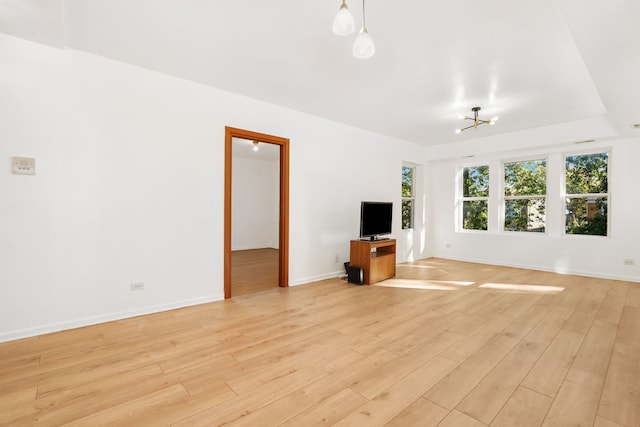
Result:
pixel 445 343
pixel 254 270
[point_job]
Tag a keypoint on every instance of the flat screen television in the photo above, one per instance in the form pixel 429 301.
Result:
pixel 375 219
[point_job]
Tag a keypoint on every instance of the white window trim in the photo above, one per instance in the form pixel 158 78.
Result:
pixel 503 198
pixel 461 199
pixel 565 195
pixel 412 198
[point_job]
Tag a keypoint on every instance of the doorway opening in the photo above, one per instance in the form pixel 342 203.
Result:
pixel 283 203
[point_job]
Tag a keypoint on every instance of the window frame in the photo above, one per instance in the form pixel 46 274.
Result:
pixel 566 196
pixel 411 199
pixel 462 198
pixel 504 198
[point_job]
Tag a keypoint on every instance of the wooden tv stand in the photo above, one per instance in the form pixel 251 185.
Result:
pixel 377 259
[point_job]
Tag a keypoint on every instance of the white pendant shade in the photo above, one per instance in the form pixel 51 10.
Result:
pixel 363 47
pixel 343 24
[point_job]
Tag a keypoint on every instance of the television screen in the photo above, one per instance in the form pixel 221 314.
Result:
pixel 375 218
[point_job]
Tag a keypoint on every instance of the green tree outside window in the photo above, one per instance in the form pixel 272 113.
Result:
pixel 525 189
pixel 475 198
pixel 587 195
pixel 408 196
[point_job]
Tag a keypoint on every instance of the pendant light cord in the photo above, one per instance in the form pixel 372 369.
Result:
pixel 364 26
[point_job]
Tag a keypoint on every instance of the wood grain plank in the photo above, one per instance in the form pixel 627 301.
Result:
pixel 387 405
pixel 464 348
pixel 280 387
pixel 612 305
pixel 629 329
pixel 458 419
pixel 389 374
pixel 525 408
pixel 549 371
pixel 486 400
pixel 595 352
pixel 603 422
pixel 452 389
pixel 16 405
pixel 311 396
pixel 620 400
pixel 548 328
pixel 79 401
pixel 633 297
pixel 421 412
pixel 328 412
pixel 577 400
pixel 124 413
pixel 582 317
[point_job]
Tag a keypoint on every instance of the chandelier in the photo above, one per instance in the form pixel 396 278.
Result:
pixel 477 121
pixel 344 25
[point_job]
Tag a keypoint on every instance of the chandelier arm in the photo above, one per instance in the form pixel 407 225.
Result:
pixel 476 120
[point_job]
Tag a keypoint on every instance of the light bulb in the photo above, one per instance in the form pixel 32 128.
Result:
pixel 363 47
pixel 493 120
pixel 458 130
pixel 343 23
pixel 255 146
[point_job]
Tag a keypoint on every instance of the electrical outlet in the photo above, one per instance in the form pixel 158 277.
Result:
pixel 23 165
pixel 629 262
pixel 448 245
pixel 138 286
pixel 337 258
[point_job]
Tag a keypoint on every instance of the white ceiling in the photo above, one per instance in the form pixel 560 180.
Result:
pixel 533 63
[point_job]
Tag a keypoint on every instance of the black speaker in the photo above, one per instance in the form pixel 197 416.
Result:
pixel 355 275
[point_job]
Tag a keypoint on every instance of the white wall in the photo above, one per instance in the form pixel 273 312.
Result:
pixel 583 255
pixel 254 207
pixel 130 182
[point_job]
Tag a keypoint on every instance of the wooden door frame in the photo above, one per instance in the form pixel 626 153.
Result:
pixel 283 240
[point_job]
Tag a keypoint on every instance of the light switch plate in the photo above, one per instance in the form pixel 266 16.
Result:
pixel 23 165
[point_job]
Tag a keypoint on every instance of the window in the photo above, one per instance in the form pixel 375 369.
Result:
pixel 587 194
pixel 475 198
pixel 408 196
pixel 525 189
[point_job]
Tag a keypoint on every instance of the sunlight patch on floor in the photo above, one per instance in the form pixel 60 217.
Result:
pixel 434 285
pixel 430 267
pixel 525 289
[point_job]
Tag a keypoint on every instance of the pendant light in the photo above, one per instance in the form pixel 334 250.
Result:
pixel 343 24
pixel 363 47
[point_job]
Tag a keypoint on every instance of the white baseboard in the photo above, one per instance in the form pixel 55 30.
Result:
pixel 333 274
pixel 540 268
pixel 109 317
pixel 311 279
